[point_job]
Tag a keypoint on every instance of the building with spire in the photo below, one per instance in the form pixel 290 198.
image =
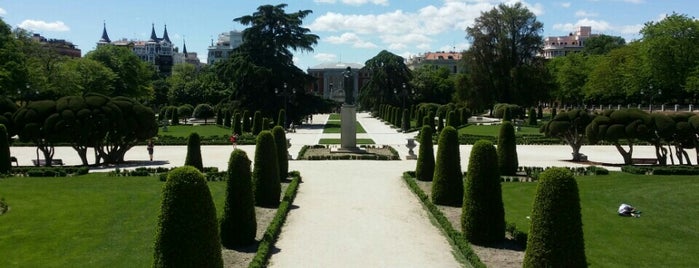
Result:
pixel 187 57
pixel 155 50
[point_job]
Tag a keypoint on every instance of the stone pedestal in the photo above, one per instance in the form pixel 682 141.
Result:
pixel 348 121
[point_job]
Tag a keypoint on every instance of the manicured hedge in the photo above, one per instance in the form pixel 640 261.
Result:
pixel 507 150
pixel 483 212
pixel 187 232
pixel 267 185
pixel 282 151
pixel 238 225
pixel 424 169
pixel 447 186
pixel 193 157
pixel 556 236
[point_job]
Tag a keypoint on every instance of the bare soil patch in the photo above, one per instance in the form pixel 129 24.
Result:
pixel 505 255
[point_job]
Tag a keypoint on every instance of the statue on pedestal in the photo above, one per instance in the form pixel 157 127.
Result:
pixel 348 86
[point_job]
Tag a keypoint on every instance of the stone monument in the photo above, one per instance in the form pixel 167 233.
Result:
pixel 348 114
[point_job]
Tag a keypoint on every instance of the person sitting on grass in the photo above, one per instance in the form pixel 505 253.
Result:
pixel 628 211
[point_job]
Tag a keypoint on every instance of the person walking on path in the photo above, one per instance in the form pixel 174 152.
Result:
pixel 234 140
pixel 151 146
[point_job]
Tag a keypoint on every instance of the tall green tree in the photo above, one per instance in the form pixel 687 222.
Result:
pixel 432 84
pixel 570 127
pixel 133 76
pixel 13 70
pixel 671 53
pixel 602 44
pixel 387 72
pixel 503 58
pixel 264 61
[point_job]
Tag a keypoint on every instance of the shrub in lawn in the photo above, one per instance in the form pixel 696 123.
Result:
pixel 507 150
pixel 464 114
pixel 532 117
pixel 187 231
pixel 227 118
pixel 194 152
pixel 556 235
pixel 5 164
pixel 174 119
pixel 281 118
pixel 447 185
pixel 219 117
pixel 185 110
pixel 483 212
pixel 237 125
pixel 257 123
pixel 247 126
pixel 204 111
pixel 424 169
pixel 265 174
pixel 238 225
pixel 282 151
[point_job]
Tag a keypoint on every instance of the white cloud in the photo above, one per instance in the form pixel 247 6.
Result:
pixel 354 2
pixel 565 4
pixel 40 25
pixel 325 57
pixel 2 11
pixel 585 14
pixel 456 47
pixel 350 38
pixel 597 25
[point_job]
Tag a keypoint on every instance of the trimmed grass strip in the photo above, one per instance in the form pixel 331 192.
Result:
pixel 338 141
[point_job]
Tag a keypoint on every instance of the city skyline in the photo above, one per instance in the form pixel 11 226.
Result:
pixel 351 31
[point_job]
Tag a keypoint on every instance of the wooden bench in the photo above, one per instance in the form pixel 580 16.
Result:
pixel 644 161
pixel 14 160
pixel 42 162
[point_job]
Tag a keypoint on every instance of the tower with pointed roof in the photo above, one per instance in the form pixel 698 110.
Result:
pixel 158 51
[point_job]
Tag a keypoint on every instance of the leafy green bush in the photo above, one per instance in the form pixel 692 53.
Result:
pixel 513 111
pixel 556 235
pixel 282 151
pixel 187 231
pixel 5 163
pixel 424 169
pixel 447 185
pixel 194 152
pixel 238 225
pixel 203 111
pixel 265 174
pixel 257 123
pixel 483 212
pixel 507 150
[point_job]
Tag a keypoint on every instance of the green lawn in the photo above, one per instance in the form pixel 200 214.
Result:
pixel 183 131
pixel 665 236
pixel 85 221
pixel 338 141
pixel 334 117
pixel 334 126
pixel 494 130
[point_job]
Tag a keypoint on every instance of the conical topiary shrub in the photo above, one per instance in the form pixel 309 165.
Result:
pixel 175 117
pixel 194 152
pixel 247 125
pixel 238 225
pixel 555 235
pixel 227 118
pixel 237 124
pixel 5 164
pixel 187 231
pixel 265 174
pixel 453 119
pixel 483 212
pixel 447 183
pixel 532 116
pixel 424 171
pixel 281 118
pixel 219 117
pixel 282 151
pixel 507 150
pixel 257 123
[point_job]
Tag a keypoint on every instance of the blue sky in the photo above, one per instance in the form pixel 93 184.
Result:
pixel 350 30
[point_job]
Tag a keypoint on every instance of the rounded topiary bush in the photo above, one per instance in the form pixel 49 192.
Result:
pixel 507 150
pixel 247 125
pixel 204 111
pixel 194 152
pixel 185 110
pixel 257 123
pixel 483 212
pixel 5 164
pixel 282 151
pixel 238 225
pixel 424 169
pixel 447 184
pixel 187 231
pixel 265 174
pixel 555 235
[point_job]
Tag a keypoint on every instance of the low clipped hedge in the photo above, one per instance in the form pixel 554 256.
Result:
pixel 457 240
pixel 661 170
pixel 274 229
pixel 520 140
pixel 49 171
pixel 302 154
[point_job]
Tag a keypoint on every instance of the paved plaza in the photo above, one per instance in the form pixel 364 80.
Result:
pixel 353 213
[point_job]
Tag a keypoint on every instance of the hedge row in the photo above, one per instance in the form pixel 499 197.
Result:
pixel 302 154
pixel 455 237
pixel 661 170
pixel 48 171
pixel 274 229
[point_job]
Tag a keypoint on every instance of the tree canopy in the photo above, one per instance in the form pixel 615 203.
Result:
pixel 388 72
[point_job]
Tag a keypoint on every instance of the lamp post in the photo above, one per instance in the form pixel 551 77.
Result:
pixel 652 95
pixel 285 94
pixel 403 94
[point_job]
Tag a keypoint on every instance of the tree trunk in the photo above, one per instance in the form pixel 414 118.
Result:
pixel 627 155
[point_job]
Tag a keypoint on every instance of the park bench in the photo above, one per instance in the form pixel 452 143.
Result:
pixel 644 161
pixel 14 160
pixel 42 162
